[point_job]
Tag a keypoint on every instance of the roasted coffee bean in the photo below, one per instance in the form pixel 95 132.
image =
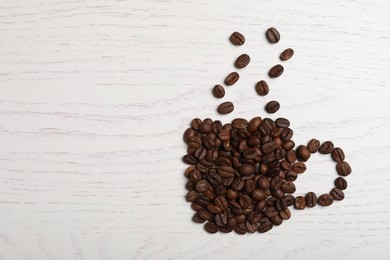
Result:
pixel 262 88
pixel 214 178
pixel 231 194
pixel 225 108
pixel 189 159
pixel 232 78
pixel 272 35
pixel 276 221
pixel 258 194
pixel 200 153
pixel 265 227
pixel 311 199
pixel 341 183
pixel 285 214
pixel 276 71
pixel 286 54
pixel 280 154
pixel 273 172
pixel 245 201
pixel 251 227
pixel 237 38
pixel 269 147
pixel 218 91
pixel 205 128
pixel 240 229
pixel 247 169
pixel 300 202
pixel 291 176
pixel 272 106
pixel 313 145
pixel 290 200
pixel 190 132
pixel 253 140
pixel 226 171
pixel 281 204
pixel 195 123
pixel 242 61
pixel 286 134
pixel 254 123
pixel 214 209
pixel 291 156
pixel 190 185
pixel 271 212
pixel 221 202
pixel 288 187
pixel 263 183
pixel 197 219
pixel 303 154
pixel 343 168
pixel 240 123
pixel 325 200
pixel 288 145
pixel 282 122
pixel 237 184
pixel 201 186
pixel 337 194
pixel 338 154
pixel 250 185
pixel 194 142
pixel 299 167
pixel 276 183
pixel 220 220
pixel 261 205
pixel 326 148
pixel 285 165
pixel 211 228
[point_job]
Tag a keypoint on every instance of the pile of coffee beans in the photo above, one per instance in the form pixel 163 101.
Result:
pixel 242 174
pixel 273 36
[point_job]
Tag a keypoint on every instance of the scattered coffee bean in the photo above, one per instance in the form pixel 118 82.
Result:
pixel 343 168
pixel 272 35
pixel 313 145
pixel 272 106
pixel 338 154
pixel 237 38
pixel 286 54
pixel 232 78
pixel 211 227
pixel 337 194
pixel 242 61
pixel 299 167
pixel 265 227
pixel 326 148
pixel 282 122
pixel 276 71
pixel 197 219
pixel 262 88
pixel 311 199
pixel 303 154
pixel 341 183
pixel 300 202
pixel 325 200
pixel 218 91
pixel 225 108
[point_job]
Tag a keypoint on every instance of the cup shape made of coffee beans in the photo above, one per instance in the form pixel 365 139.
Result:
pixel 241 174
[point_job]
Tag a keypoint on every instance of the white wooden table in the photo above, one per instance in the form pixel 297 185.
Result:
pixel 95 96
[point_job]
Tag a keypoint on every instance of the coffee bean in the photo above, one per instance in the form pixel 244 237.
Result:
pixel 254 123
pixel 240 229
pixel 285 214
pixel 197 219
pixel 325 200
pixel 200 153
pixel 288 145
pixel 286 54
pixel 276 71
pixel 263 183
pixel 282 122
pixel 226 171
pixel 338 154
pixel 313 145
pixel 214 209
pixel 245 201
pixel 247 169
pixel 251 227
pixel 205 128
pixel 343 168
pixel 265 227
pixel 211 228
pixel 281 204
pixel 271 212
pixel 240 123
pixel 190 132
pixel 341 183
pixel 258 194
pixel 311 199
pixel 276 183
pixel 272 35
pixel 272 106
pixel 250 185
pixel 194 142
pixel 189 159
pixel 290 200
pixel 232 78
pixel 262 88
pixel 218 91
pixel 303 154
pixel 201 186
pixel 286 134
pixel 237 38
pixel 337 194
pixel 276 221
pixel 269 147
pixel 242 61
pixel 326 148
pixel 291 156
pixel 288 187
pixel 299 167
pixel 225 108
pixel 300 202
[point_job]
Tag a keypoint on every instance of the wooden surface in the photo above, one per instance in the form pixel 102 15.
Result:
pixel 95 96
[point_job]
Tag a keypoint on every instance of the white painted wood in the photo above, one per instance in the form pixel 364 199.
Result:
pixel 95 96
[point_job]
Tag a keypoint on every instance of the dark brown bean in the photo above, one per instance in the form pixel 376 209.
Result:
pixel 337 194
pixel 299 167
pixel 273 36
pixel 265 227
pixel 232 78
pixel 197 219
pixel 272 106
pixel 247 169
pixel 276 71
pixel 313 145
pixel 303 154
pixel 325 200
pixel 343 168
pixel 338 154
pixel 262 88
pixel 211 228
pixel 225 108
pixel 311 199
pixel 288 187
pixel 242 61
pixel 282 122
pixel 218 91
pixel 300 202
pixel 237 38
pixel 326 148
pixel 341 183
pixel 286 54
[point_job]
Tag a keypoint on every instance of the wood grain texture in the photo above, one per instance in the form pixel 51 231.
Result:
pixel 95 96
